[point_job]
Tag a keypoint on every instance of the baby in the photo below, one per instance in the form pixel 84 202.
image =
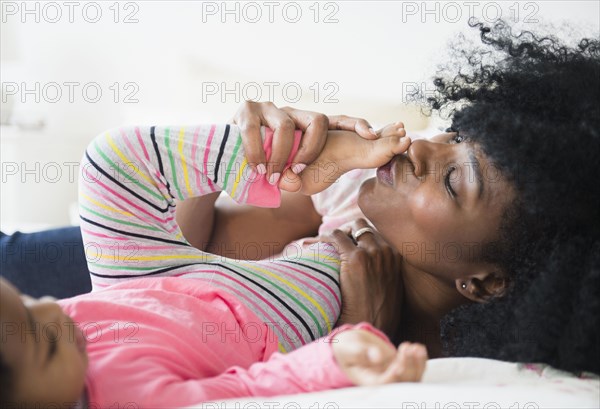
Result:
pixel 169 325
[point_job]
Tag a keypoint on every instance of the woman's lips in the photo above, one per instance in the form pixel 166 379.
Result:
pixel 385 174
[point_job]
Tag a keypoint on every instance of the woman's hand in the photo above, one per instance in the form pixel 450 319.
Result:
pixel 370 279
pixel 367 359
pixel 283 122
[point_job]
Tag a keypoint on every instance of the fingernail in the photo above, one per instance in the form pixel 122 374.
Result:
pixel 261 169
pixel 274 178
pixel 298 167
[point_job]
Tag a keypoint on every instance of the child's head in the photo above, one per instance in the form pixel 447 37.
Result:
pixel 42 353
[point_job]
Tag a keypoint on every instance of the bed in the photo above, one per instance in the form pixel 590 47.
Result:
pixel 452 383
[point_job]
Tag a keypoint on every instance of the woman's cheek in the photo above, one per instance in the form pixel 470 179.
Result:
pixel 430 213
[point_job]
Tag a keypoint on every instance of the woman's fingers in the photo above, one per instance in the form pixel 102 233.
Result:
pixel 344 243
pixel 367 238
pixel 283 139
pixel 358 125
pixel 381 281
pixel 314 127
pixel 248 119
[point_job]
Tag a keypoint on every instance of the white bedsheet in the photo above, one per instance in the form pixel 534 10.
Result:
pixel 452 383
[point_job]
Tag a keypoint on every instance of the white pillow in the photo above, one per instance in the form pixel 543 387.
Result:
pixel 452 383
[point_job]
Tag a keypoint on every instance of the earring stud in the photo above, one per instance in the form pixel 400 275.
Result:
pixel 463 286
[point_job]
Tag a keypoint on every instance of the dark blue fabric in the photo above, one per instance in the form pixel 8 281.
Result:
pixel 50 262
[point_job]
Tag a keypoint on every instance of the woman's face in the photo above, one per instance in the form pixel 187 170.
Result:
pixel 440 204
pixel 44 349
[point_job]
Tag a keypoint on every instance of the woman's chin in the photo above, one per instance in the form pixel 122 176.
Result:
pixel 365 193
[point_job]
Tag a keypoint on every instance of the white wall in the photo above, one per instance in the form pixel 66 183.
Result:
pixel 176 50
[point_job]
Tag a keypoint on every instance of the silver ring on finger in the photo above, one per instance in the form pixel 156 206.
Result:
pixel 360 232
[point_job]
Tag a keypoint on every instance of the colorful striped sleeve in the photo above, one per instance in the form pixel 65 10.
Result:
pixel 130 179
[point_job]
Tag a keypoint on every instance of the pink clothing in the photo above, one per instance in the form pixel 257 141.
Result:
pixel 204 333
pixel 338 205
pixel 166 342
pixel 130 179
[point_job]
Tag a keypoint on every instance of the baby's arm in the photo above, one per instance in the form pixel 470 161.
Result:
pixel 130 178
pixel 344 151
pixel 351 355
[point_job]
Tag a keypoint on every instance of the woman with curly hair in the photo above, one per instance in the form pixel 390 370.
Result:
pixel 536 115
pixel 481 241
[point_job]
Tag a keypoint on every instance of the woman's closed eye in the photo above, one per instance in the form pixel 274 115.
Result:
pixel 449 188
pixel 456 138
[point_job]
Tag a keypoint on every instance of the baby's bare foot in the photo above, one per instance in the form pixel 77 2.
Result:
pixel 344 151
pixel 394 129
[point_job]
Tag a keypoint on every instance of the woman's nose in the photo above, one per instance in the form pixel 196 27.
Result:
pixel 421 153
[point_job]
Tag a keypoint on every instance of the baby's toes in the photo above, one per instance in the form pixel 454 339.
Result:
pixel 394 129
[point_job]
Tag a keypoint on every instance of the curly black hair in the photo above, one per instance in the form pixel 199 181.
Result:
pixel 535 112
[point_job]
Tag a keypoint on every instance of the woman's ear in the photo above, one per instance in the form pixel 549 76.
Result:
pixel 482 286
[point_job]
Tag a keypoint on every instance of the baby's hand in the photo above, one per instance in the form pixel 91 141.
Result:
pixel 369 360
pixel 344 151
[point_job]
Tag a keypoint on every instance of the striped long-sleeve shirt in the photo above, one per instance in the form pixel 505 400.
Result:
pixel 130 178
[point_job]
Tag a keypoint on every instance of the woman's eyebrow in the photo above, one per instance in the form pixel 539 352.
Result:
pixel 477 168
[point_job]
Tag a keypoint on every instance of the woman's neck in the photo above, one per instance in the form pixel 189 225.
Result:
pixel 427 300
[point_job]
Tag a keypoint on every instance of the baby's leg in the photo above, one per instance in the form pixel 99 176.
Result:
pixel 345 151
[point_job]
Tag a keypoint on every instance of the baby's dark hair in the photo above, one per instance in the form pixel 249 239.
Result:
pixel 535 113
pixel 6 384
